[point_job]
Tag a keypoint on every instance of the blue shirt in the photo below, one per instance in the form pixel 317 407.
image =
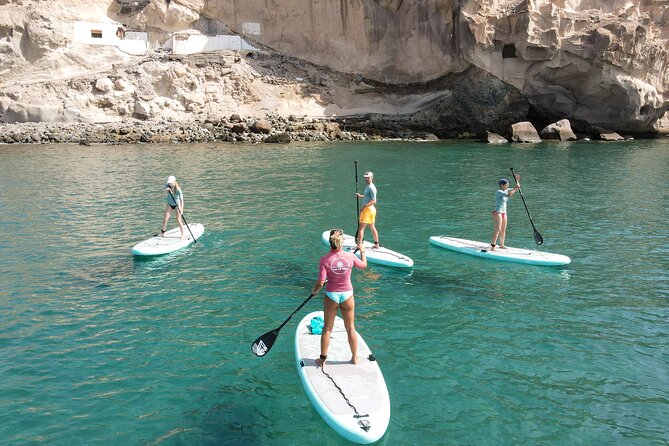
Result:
pixel 370 194
pixel 178 196
pixel 501 197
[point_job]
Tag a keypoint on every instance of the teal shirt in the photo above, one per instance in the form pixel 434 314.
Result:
pixel 178 197
pixel 501 197
pixel 370 194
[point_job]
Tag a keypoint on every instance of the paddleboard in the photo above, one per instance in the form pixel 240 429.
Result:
pixel 170 242
pixel 481 249
pixel 380 256
pixel 362 383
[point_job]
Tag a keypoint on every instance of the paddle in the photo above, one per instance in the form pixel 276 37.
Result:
pixel 182 216
pixel 537 237
pixel 357 203
pixel 264 343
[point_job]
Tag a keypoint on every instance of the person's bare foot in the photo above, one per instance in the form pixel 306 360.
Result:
pixel 354 360
pixel 503 247
pixel 320 362
pixel 492 247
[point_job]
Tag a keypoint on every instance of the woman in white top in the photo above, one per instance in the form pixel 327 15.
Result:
pixel 175 200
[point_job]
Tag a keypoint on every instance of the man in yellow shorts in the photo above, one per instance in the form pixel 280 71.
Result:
pixel 368 212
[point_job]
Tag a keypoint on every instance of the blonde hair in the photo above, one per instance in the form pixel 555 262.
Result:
pixel 336 238
pixel 175 186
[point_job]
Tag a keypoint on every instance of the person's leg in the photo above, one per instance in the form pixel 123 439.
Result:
pixel 497 224
pixel 348 313
pixel 166 217
pixel 330 311
pixel 361 232
pixel 375 234
pixel 181 223
pixel 502 232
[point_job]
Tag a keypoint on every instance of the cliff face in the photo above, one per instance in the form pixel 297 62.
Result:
pixel 595 62
pixel 603 62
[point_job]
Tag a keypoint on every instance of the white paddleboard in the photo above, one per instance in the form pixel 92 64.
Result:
pixel 481 249
pixel 380 256
pixel 170 242
pixel 362 383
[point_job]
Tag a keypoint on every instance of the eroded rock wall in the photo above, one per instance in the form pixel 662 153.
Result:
pixel 603 62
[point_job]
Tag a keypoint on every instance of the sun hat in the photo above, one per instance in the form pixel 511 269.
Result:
pixel 171 179
pixel 369 175
pixel 503 181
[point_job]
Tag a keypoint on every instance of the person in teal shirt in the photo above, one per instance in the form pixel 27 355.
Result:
pixel 499 218
pixel 175 200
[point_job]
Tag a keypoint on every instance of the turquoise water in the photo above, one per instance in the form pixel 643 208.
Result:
pixel 97 347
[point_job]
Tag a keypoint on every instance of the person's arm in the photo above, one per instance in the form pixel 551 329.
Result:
pixel 317 286
pixel 362 261
pixel 181 201
pixel 516 188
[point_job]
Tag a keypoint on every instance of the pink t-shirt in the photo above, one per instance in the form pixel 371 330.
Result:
pixel 336 267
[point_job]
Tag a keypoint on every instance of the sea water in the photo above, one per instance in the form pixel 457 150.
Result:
pixel 98 347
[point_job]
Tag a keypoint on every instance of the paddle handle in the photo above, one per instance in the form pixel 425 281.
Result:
pixel 182 216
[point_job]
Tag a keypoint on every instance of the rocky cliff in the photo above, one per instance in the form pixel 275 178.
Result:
pixel 447 66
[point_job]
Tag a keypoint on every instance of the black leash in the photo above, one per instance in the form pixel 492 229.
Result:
pixel 364 424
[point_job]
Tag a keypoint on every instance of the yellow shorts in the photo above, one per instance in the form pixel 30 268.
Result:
pixel 368 215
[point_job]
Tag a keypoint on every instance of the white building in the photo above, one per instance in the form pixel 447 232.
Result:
pixel 111 34
pixel 194 43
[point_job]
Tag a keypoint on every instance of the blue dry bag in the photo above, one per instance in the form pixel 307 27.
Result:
pixel 316 325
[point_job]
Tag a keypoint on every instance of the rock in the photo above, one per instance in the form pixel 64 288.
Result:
pixel 142 109
pixel 524 132
pixel 280 138
pixel 494 138
pixel 605 135
pixel 105 85
pixel 239 128
pixel 261 126
pixel 559 130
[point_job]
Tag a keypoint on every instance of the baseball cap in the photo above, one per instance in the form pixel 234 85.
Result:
pixel 171 179
pixel 369 175
pixel 503 181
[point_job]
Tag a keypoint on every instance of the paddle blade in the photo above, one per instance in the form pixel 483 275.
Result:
pixel 538 238
pixel 264 343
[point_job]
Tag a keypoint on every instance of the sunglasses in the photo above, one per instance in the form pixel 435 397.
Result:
pixel 336 231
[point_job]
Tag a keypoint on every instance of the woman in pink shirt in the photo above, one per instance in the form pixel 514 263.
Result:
pixel 336 267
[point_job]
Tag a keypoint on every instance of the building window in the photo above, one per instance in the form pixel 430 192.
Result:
pixel 96 33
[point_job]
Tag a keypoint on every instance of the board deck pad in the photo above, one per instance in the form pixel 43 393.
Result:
pixel 170 242
pixel 379 256
pixel 517 255
pixel 363 383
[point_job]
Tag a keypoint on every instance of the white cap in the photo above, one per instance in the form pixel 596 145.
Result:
pixel 369 175
pixel 171 179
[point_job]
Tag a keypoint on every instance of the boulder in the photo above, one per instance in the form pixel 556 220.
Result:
pixel 559 130
pixel 278 138
pixel 605 135
pixel 105 85
pixel 261 126
pixel 494 138
pixel 524 132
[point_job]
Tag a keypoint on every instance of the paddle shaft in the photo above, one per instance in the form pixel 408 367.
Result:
pixel 264 343
pixel 182 215
pixel 537 236
pixel 357 202
pixel 298 309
